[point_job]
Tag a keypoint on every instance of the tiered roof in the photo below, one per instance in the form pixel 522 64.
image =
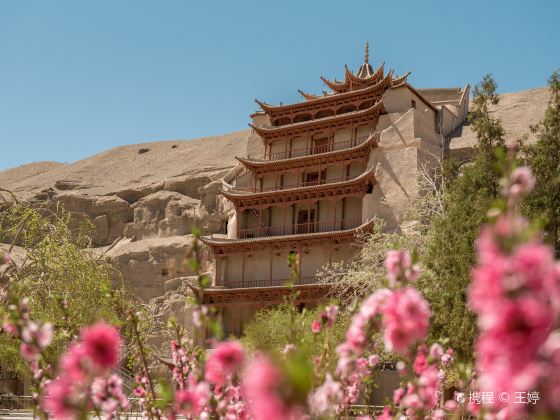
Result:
pixel 272 132
pixel 320 102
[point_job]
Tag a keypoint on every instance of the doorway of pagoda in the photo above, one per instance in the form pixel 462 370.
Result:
pixel 320 145
pixel 313 178
pixel 306 221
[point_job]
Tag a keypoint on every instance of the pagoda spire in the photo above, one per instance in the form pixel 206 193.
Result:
pixel 365 71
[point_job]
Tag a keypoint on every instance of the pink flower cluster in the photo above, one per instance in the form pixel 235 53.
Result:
pixel 194 394
pixel 5 258
pixel 515 292
pixel 425 386
pixel 327 318
pixel 224 360
pixel 327 398
pixel 519 183
pixel 107 395
pixel 266 392
pixel 82 375
pixel 34 338
pixel 406 318
pixel 398 264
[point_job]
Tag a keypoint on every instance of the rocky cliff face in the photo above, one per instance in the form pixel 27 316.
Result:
pixel 143 199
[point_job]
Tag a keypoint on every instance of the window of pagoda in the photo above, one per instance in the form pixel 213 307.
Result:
pixel 345 109
pixel 282 121
pixel 302 117
pixel 325 113
pixel 365 105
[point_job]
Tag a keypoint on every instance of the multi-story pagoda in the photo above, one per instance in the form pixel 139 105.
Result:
pixel 316 174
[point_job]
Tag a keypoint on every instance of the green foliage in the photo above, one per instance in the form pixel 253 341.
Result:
pixel 66 283
pixel 544 159
pixel 450 250
pixel 272 329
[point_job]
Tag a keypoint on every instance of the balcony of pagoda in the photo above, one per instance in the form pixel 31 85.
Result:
pixel 301 184
pixel 280 282
pixel 316 149
pixel 300 228
pixel 337 188
pixel 338 154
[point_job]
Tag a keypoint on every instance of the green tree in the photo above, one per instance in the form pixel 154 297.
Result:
pixel 65 281
pixel 450 249
pixel 544 159
pixel 273 328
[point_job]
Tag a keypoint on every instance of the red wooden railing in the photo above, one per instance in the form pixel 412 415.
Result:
pixel 297 185
pixel 268 282
pixel 314 150
pixel 300 228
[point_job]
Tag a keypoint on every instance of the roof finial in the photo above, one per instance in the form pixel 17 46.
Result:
pixel 366 55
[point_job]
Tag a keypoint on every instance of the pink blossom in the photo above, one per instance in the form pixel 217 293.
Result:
pixel 399 267
pixel 326 398
pixel 139 392
pixel 450 405
pixel 29 331
pixel 520 182
pixel 10 328
pixel 396 260
pixel 438 414
pixel 5 259
pixel 45 335
pixel 373 305
pixel 331 312
pixel 29 352
pixel 262 385
pixel 102 344
pixel 316 327
pixel 420 363
pixel 405 319
pixel 373 360
pixel 356 335
pixel 223 361
pixel 428 387
pixel 107 395
pixel 58 399
pixel 385 414
pixel 436 352
pixel 75 363
pixel 289 349
pixel 187 402
pixel 42 336
pixel 397 395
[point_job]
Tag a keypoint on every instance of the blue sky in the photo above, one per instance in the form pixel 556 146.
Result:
pixel 79 77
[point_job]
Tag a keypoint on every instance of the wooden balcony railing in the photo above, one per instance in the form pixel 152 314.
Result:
pixel 268 282
pixel 314 150
pixel 299 228
pixel 296 185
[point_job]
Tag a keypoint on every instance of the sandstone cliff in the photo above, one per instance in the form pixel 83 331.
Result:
pixel 143 200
